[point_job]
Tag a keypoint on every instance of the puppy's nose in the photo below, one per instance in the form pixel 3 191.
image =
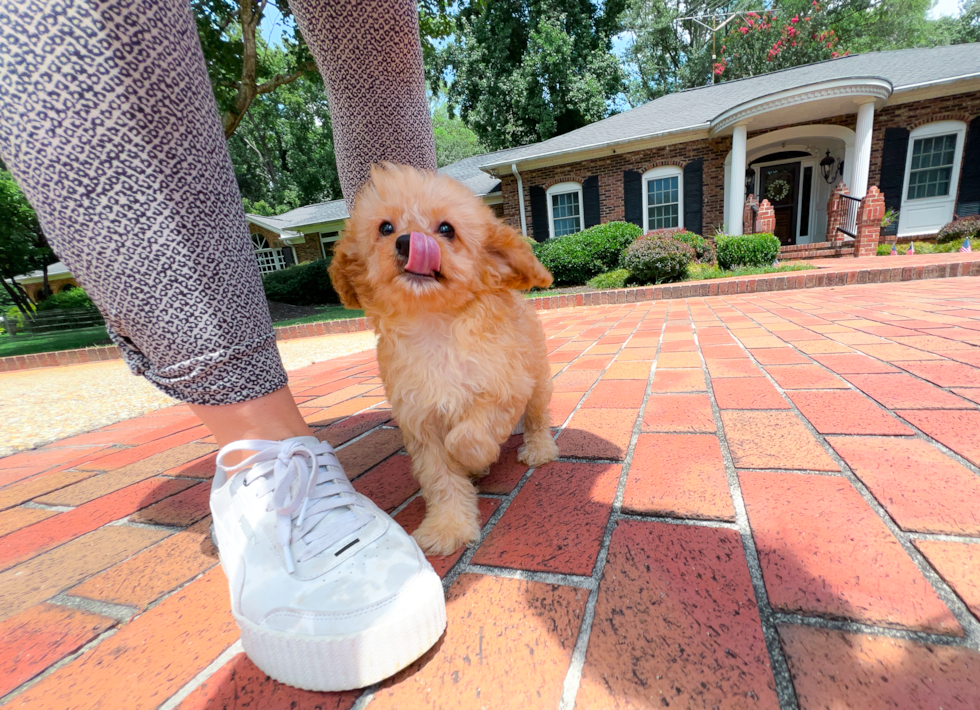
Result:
pixel 403 246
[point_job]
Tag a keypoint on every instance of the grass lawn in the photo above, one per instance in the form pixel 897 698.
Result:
pixel 65 340
pixel 325 313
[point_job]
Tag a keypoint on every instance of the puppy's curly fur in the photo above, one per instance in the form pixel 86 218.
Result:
pixel 461 353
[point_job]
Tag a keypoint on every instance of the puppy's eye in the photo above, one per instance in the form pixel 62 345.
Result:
pixel 385 229
pixel 446 230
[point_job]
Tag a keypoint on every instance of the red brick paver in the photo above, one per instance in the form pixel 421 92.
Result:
pixel 764 500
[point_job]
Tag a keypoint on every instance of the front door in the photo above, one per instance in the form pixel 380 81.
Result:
pixel 780 184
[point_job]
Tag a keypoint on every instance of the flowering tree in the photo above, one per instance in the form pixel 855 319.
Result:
pixel 765 42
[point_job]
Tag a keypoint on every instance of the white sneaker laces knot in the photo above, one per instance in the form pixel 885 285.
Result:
pixel 305 480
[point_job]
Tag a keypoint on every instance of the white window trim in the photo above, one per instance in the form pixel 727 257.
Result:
pixel 326 239
pixel 563 188
pixel 272 253
pixel 658 174
pixel 940 128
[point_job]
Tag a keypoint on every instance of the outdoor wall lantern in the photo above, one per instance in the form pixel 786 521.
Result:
pixel 830 173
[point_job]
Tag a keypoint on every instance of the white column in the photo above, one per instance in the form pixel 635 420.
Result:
pixel 735 199
pixel 862 149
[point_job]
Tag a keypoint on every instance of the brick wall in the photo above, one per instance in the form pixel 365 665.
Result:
pixel 610 169
pixel 309 250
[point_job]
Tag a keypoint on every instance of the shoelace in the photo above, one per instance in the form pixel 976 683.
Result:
pixel 307 485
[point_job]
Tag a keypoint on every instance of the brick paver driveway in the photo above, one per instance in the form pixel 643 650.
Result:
pixel 763 501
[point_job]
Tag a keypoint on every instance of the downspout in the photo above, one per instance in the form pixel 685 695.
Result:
pixel 520 192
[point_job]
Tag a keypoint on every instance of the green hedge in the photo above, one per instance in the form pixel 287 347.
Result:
pixel 657 259
pixel 76 298
pixel 576 258
pixel 611 279
pixel 747 250
pixel 301 285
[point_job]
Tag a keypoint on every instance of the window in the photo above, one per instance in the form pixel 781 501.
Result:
pixel 662 198
pixel 932 166
pixel 565 208
pixel 931 178
pixel 268 259
pixel 328 241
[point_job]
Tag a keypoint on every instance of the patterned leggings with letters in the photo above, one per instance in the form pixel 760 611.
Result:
pixel 109 125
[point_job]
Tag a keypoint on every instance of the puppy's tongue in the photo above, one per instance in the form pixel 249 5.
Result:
pixel 423 255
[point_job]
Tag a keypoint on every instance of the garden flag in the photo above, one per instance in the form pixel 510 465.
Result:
pixel 775 263
pixel 966 246
pixel 911 249
pixel 895 249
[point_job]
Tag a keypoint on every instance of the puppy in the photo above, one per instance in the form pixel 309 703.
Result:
pixel 461 353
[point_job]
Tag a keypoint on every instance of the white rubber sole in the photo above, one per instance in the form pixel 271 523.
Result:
pixel 334 663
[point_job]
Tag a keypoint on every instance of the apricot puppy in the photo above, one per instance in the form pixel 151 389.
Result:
pixel 461 353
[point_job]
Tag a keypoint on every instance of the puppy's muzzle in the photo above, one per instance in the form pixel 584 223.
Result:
pixel 419 252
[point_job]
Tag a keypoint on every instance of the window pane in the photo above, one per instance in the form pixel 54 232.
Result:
pixel 932 167
pixel 269 260
pixel 565 210
pixel 662 203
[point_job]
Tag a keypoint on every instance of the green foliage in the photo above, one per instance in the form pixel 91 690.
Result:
pixel 959 228
pixel 576 258
pixel 923 247
pixel 657 259
pixel 526 71
pixel 75 298
pixel 302 285
pixel 51 342
pixel 747 250
pixel 283 150
pixel 454 141
pixel 702 272
pixel 616 278
pixel 23 246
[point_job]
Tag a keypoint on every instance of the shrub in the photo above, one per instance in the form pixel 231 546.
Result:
pixel 302 285
pixel 611 279
pixel 76 298
pixel 657 259
pixel 576 258
pixel 747 250
pixel 958 229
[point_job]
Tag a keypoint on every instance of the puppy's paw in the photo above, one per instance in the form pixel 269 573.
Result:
pixel 538 451
pixel 441 537
pixel 472 447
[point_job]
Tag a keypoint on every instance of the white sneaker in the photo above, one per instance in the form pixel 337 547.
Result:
pixel 329 592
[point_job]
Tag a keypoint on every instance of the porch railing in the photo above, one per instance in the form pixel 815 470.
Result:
pixel 847 216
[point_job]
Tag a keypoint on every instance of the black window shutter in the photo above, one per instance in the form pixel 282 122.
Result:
pixel 693 191
pixel 969 200
pixel 539 213
pixel 590 198
pixel 287 256
pixel 893 155
pixel 633 197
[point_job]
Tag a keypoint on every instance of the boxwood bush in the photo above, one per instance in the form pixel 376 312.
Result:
pixel 958 229
pixel 611 279
pixel 75 298
pixel 747 250
pixel 576 258
pixel 301 285
pixel 657 259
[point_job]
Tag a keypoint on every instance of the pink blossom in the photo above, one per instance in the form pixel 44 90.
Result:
pixel 743 30
pixel 795 19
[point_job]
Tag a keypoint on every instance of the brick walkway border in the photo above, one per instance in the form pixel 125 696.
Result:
pixel 818 278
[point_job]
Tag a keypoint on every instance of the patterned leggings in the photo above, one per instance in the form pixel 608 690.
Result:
pixel 109 125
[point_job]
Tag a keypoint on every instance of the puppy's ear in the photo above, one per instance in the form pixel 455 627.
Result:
pixel 343 270
pixel 511 259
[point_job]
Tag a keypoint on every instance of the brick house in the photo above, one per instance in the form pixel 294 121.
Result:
pixel 308 233
pixel 907 121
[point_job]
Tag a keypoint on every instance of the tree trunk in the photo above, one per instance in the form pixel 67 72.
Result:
pixel 15 293
pixel 250 15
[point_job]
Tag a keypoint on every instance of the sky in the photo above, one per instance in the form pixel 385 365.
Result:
pixel 946 7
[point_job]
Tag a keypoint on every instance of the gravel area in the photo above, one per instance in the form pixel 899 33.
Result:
pixel 44 405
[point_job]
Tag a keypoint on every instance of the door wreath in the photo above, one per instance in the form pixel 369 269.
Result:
pixel 777 190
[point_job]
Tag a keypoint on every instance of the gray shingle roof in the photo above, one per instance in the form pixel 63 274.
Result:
pixel 466 171
pixel 695 108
